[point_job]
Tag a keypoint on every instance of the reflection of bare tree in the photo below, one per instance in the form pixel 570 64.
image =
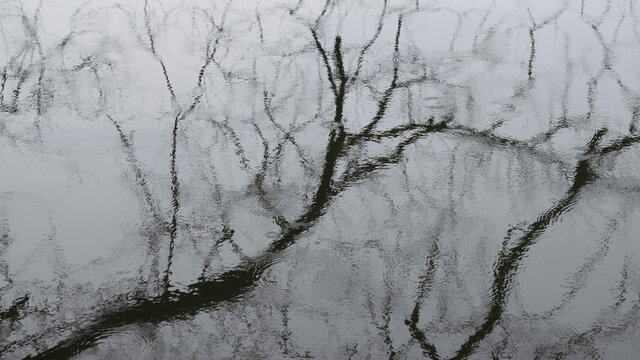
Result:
pixel 249 115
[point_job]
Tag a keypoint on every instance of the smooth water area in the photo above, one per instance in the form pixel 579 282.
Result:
pixel 330 179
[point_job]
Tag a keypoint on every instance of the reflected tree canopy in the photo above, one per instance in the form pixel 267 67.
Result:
pixel 339 179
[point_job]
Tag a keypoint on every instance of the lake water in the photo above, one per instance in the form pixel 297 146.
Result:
pixel 329 179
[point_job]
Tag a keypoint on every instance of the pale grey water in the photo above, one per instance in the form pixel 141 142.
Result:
pixel 341 179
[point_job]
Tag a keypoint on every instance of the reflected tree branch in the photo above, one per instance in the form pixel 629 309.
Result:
pixel 329 181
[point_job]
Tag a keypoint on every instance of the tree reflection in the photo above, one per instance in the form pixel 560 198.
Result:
pixel 291 170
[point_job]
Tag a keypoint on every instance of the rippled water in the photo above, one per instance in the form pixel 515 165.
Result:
pixel 339 179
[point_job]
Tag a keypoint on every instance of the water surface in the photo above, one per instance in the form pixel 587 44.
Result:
pixel 340 179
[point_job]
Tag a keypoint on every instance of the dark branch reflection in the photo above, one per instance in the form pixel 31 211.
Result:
pixel 334 179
